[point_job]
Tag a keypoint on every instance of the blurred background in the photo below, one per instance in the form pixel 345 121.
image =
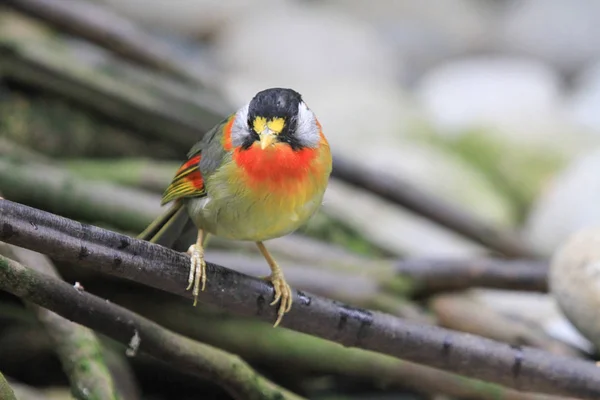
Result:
pixel 490 105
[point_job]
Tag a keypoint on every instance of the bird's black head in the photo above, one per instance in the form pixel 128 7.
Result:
pixel 273 118
pixel 274 103
pixel 275 109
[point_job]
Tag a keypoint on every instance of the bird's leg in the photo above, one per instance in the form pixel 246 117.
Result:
pixel 283 292
pixel 198 265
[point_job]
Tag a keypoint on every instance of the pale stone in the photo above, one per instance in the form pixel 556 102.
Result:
pixel 565 34
pixel 296 41
pixel 425 33
pixel 584 103
pixel 537 309
pixel 569 204
pixel 574 280
pixel 511 94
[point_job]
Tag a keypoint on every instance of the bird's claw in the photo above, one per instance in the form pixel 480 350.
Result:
pixel 283 295
pixel 197 271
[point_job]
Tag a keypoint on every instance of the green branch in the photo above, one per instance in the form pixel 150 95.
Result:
pixel 521 368
pixel 258 342
pixel 77 347
pixel 225 369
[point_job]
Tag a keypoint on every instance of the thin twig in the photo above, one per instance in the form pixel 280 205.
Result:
pixel 413 198
pixel 159 267
pixel 225 369
pixel 435 275
pixel 77 347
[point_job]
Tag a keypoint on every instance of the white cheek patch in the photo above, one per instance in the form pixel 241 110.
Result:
pixel 240 130
pixel 307 131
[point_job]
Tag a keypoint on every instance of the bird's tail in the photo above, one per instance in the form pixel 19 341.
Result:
pixel 167 227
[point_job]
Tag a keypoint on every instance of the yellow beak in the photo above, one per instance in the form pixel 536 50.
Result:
pixel 266 139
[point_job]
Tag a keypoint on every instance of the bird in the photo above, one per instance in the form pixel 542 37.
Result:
pixel 259 174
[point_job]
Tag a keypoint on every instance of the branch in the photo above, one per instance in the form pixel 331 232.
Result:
pixel 6 392
pixel 66 193
pixel 156 266
pixel 63 193
pixel 256 341
pixel 435 275
pixel 108 29
pixel 77 347
pixel 147 173
pixel 135 97
pixel 25 341
pixel 461 312
pixel 225 369
pixel 405 194
pixel 26 392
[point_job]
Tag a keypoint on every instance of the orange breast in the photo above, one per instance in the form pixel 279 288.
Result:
pixel 283 171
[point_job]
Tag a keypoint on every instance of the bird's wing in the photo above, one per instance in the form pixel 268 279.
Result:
pixel 189 180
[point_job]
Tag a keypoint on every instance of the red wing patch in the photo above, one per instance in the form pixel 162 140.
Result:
pixel 188 182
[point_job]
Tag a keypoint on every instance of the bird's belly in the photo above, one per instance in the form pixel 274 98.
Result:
pixel 251 218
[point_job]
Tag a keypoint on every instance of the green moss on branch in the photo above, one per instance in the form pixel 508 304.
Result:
pixel 6 392
pixel 77 347
pixel 225 369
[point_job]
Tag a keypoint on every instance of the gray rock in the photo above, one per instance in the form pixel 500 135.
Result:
pixel 569 204
pixel 537 309
pixel 574 281
pixel 583 104
pixel 566 34
pixel 289 42
pixel 512 110
pixel 425 33
pixel 514 95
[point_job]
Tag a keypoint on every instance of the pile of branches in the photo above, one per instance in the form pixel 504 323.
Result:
pixel 358 324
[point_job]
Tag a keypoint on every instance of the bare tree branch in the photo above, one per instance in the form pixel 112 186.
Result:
pixel 256 341
pixel 412 198
pixel 135 97
pixel 63 193
pixel 436 275
pixel 108 29
pixel 461 312
pixel 156 266
pixel 77 347
pixel 225 369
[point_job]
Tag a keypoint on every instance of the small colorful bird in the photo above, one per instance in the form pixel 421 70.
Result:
pixel 259 174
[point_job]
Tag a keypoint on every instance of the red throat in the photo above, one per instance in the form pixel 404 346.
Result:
pixel 278 168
